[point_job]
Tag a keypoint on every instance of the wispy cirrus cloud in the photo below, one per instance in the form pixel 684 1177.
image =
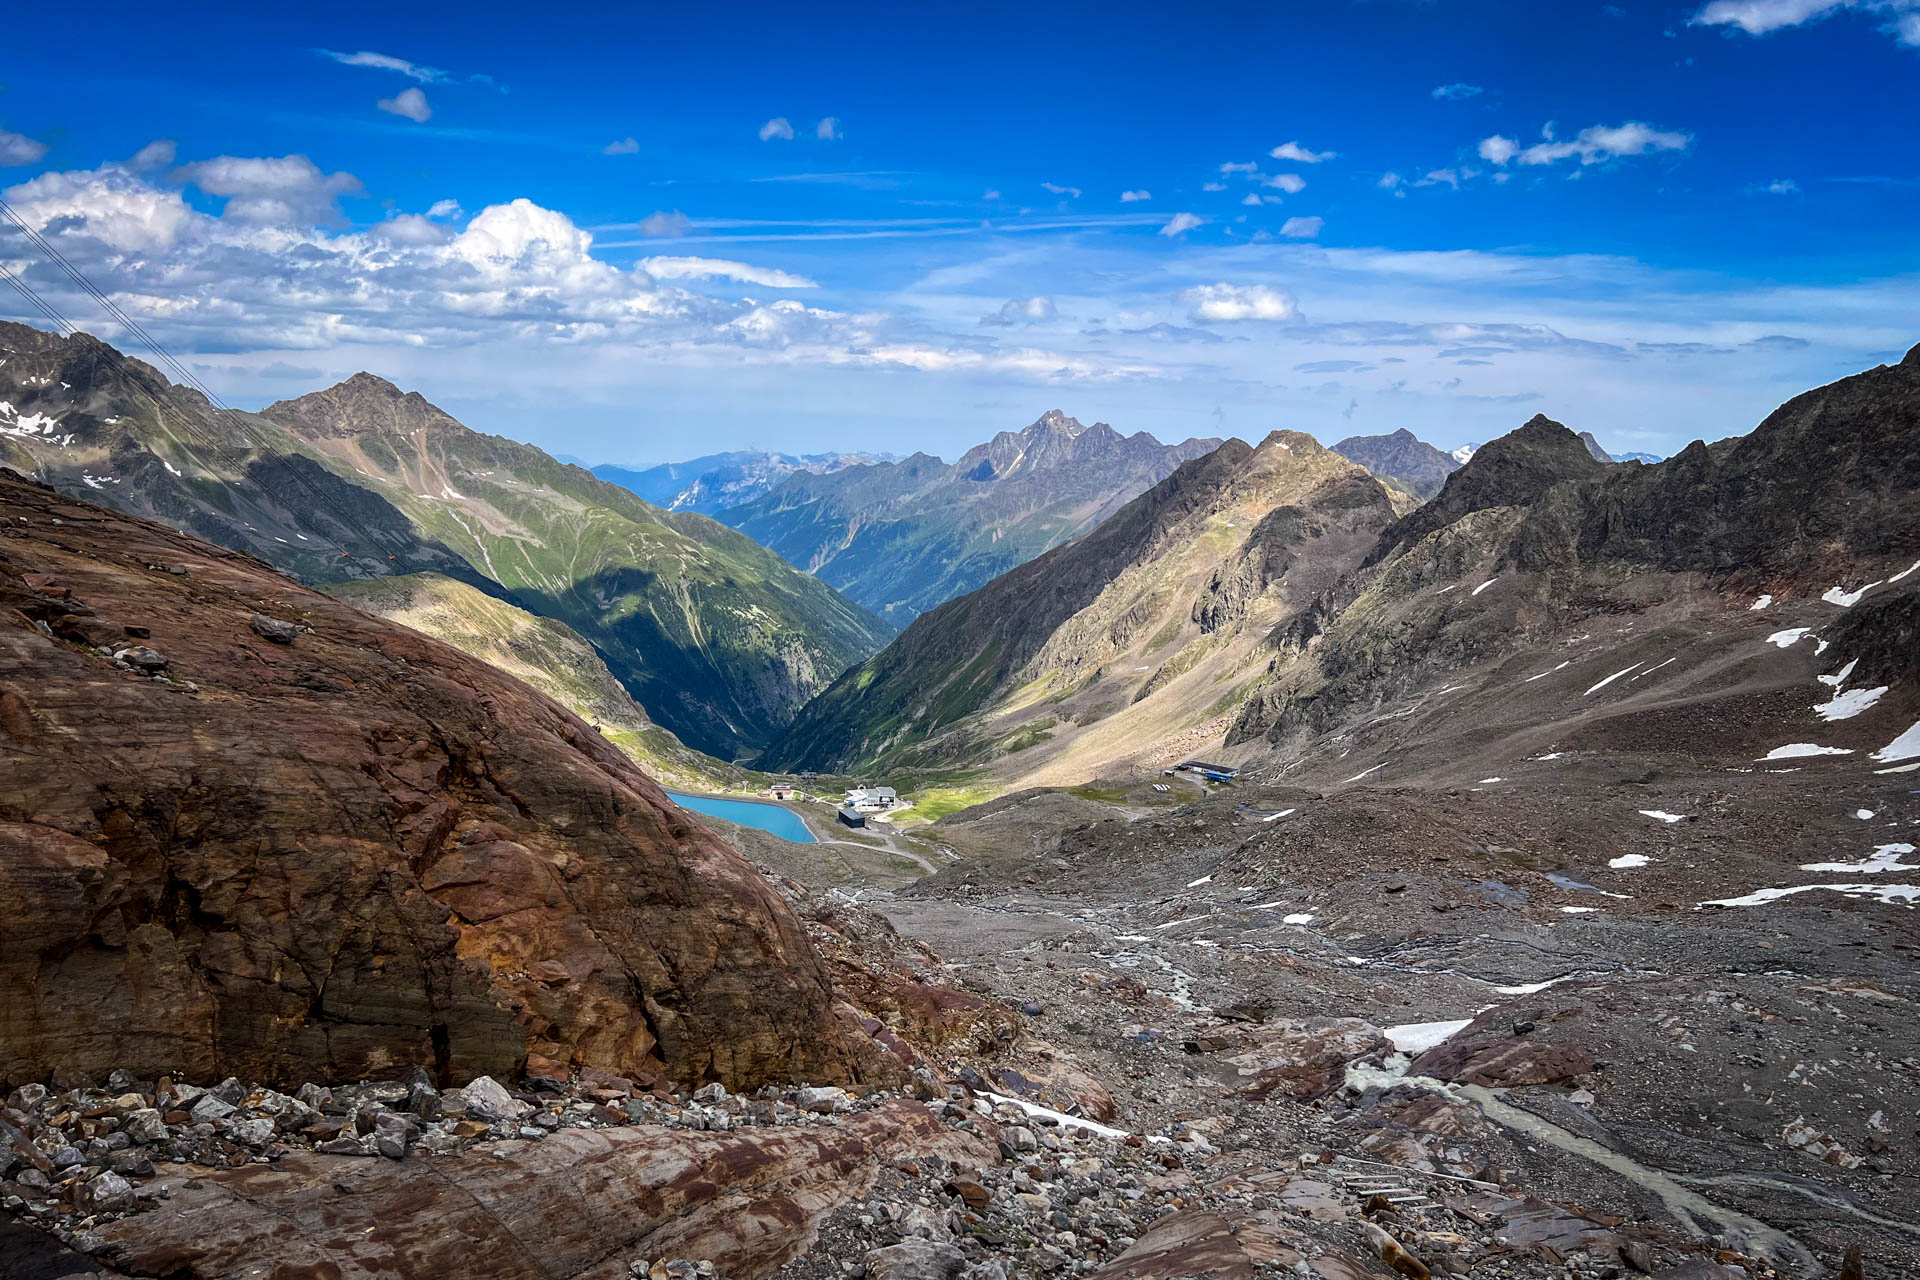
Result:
pixel 1596 144
pixel 1457 92
pixel 387 62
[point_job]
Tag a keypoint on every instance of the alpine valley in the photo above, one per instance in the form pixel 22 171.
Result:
pixel 1345 862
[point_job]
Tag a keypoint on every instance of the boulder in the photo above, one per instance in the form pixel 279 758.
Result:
pixel 346 857
pixel 1304 1058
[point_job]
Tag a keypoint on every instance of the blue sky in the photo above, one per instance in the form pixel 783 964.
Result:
pixel 636 236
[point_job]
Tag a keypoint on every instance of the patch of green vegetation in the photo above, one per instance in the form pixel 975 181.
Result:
pixel 1227 701
pixel 1165 635
pixel 935 803
pixel 1030 734
pixel 1104 795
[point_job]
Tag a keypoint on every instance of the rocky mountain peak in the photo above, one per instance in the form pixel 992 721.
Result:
pixel 1913 358
pixel 1055 421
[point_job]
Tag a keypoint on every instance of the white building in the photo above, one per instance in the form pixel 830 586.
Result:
pixel 872 799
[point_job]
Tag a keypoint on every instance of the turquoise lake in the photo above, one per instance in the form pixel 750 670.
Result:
pixel 770 818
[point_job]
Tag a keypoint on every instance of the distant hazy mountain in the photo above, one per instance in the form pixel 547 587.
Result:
pixel 1402 457
pixel 1648 458
pixel 717 638
pixel 902 537
pixel 721 480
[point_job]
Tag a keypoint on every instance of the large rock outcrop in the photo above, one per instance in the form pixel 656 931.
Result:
pixel 340 848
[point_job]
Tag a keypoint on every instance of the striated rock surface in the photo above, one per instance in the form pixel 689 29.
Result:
pixel 582 1203
pixel 343 855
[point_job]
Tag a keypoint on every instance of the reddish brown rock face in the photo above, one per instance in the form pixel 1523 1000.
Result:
pixel 344 855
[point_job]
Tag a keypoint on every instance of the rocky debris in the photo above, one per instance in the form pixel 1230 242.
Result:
pixel 1824 1147
pixel 274 629
pixel 1503 1062
pixel 363 850
pixel 140 1169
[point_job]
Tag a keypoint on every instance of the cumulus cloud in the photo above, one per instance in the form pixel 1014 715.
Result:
pixel 1391 182
pixel 1900 18
pixel 778 127
pixel 828 130
pixel 1498 150
pixel 273 190
pixel 662 223
pixel 18 148
pixel 722 269
pixel 1457 92
pixel 387 62
pixel 1596 144
pixel 623 147
pixel 1214 302
pixel 1181 223
pixel 1300 155
pixel 1130 197
pixel 1022 311
pixel 1071 193
pixel 444 209
pixel 157 154
pixel 410 103
pixel 1291 183
pixel 1302 228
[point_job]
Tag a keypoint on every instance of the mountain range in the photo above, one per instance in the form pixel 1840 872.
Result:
pixel 1261 597
pixel 1402 458
pixel 902 537
pixel 713 483
pixel 719 639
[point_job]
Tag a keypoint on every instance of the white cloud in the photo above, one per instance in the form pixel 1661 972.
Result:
pixel 778 127
pixel 1302 228
pixel 17 148
pixel 1071 193
pixel 157 154
pixel 1213 186
pixel 722 269
pixel 1254 197
pixel 1498 150
pixel 412 229
pixel 1759 17
pixel 1300 155
pixel 411 103
pixel 828 130
pixel 1131 197
pixel 1291 183
pixel 1391 182
pixel 1022 311
pixel 662 223
pixel 1441 177
pixel 1232 167
pixel 273 190
pixel 1238 302
pixel 1783 187
pixel 1457 92
pixel 444 209
pixel 1181 223
pixel 990 195
pixel 622 147
pixel 1593 145
pixel 387 62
